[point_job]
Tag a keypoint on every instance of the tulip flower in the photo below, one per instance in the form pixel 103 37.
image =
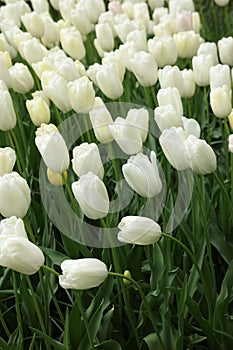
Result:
pixel 115 58
pixel 209 48
pixel 203 158
pixel 222 2
pixel 72 43
pixel 187 43
pixel 230 143
pixel 19 254
pixel 7 160
pixel 225 49
pixel 93 9
pixel 166 117
pixel 38 110
pixel 82 273
pixel 52 148
pixel 32 50
pixel 92 196
pixel 56 179
pixel 139 117
pixel 138 38
pixel 220 75
pixel 141 13
pixel 7 112
pixel 86 157
pixel 104 36
pixel 4 69
pixel 81 94
pixel 144 67
pixel 142 174
pixel 101 119
pixel 15 195
pixel 40 6
pixel 201 69
pixel 51 34
pixel 33 23
pixel 177 6
pixel 163 49
pixel 191 127
pixel 12 227
pixel 173 145
pixel 171 96
pixel 188 83
pixel 138 230
pixel 171 77
pixel 106 74
pixel 21 78
pixel 80 19
pixel 220 101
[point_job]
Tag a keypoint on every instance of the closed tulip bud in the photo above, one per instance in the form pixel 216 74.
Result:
pixel 67 69
pixel 21 78
pixel 127 136
pixel 6 58
pixel 93 9
pixel 52 148
pixel 144 68
pixel 12 227
pixel 82 273
pixel 32 50
pixel 15 195
pixel 80 20
pixel 124 27
pixel 177 6
pixel 201 69
pixel 139 40
pixel 184 21
pixel 220 101
pixel 225 49
pixel 187 43
pixel 81 94
pixel 55 87
pixel 141 13
pixel 86 157
pixel 56 179
pixel 191 127
pixel 92 72
pixel 230 119
pixel 188 83
pixel 230 143
pixel 163 49
pixel 104 35
pixel 7 112
pixel 12 12
pixel 7 160
pixel 41 94
pixel 115 58
pixel 65 9
pixel 125 280
pixel 159 14
pixel 92 196
pixel 101 119
pixel 21 255
pixel 142 175
pixel 167 27
pixel 222 2
pixel 171 76
pixel 72 43
pixel 166 117
pixel 38 110
pixel 170 95
pixel 172 142
pixel 209 48
pixel 4 72
pixel 50 36
pixel 105 76
pixel 220 75
pixel 138 230
pixel 32 21
pixel 5 46
pixel 203 158
pixel 40 6
pixel 139 118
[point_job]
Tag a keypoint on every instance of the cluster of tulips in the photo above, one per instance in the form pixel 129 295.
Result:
pixel 51 57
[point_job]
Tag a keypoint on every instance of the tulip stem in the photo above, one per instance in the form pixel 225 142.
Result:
pixel 18 314
pixel 84 319
pixel 207 113
pixel 45 267
pixel 143 297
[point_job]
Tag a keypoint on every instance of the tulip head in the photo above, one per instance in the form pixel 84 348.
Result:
pixel 7 160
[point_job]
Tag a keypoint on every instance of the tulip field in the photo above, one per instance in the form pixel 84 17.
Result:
pixel 116 175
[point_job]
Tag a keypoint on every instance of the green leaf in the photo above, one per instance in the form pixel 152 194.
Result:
pixel 56 345
pixel 152 341
pixel 109 345
pixel 56 257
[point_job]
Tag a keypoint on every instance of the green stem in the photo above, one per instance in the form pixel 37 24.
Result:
pixel 37 308
pixel 29 230
pixel 10 139
pixel 17 303
pixel 207 113
pixel 49 269
pixel 142 295
pixel 84 319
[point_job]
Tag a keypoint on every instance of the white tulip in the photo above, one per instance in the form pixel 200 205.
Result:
pixel 201 69
pixel 171 76
pixel 81 94
pixel 144 67
pixel 222 2
pixel 139 118
pixel 15 195
pixel 92 196
pixel 94 8
pixel 220 101
pixel 72 43
pixel 106 74
pixel 32 50
pixel 7 112
pixel 52 148
pixel 220 75
pixel 163 49
pixel 138 230
pixel 38 110
pixel 209 48
pixel 188 83
pixel 21 78
pixel 104 36
pixel 82 273
pixel 191 127
pixel 166 117
pixel 12 227
pixel 230 143
pixel 187 43
pixel 7 160
pixel 225 49
pixel 171 96
pixel 32 21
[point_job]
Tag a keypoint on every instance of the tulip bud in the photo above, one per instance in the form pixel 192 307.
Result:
pixel 33 23
pixel 166 117
pixel 201 69
pixel 184 21
pixel 127 136
pixel 167 27
pixel 159 14
pixel 203 158
pixel 21 78
pixel 105 76
pixel 208 48
pixel 93 9
pixel 225 49
pixel 82 273
pixel 7 160
pixel 144 68
pixel 92 196
pixel 55 87
pixel 65 9
pixel 19 254
pixel 40 6
pixel 115 58
pixel 12 227
pixel 220 75
pixel 15 196
pixel 177 6
pixel 187 43
pixel 80 20
pixel 139 117
pixel 7 112
pixel 32 50
pixel 38 110
pixel 86 157
pixel 163 49
pixel 52 148
pixel 138 230
pixel 81 94
pixel 126 281
pixel 104 36
pixel 230 143
pixel 171 76
pixel 171 96
pixel 51 34
pixel 72 43
pixel 173 145
pixel 141 13
pixel 191 127
pixel 139 40
pixel 220 101
pixel 56 179
pixel 142 174
pixel 222 2
pixel 5 64
pixel 188 83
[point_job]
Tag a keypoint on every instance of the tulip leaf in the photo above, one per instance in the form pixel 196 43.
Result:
pixel 152 341
pixel 109 345
pixel 55 256
pixel 56 345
